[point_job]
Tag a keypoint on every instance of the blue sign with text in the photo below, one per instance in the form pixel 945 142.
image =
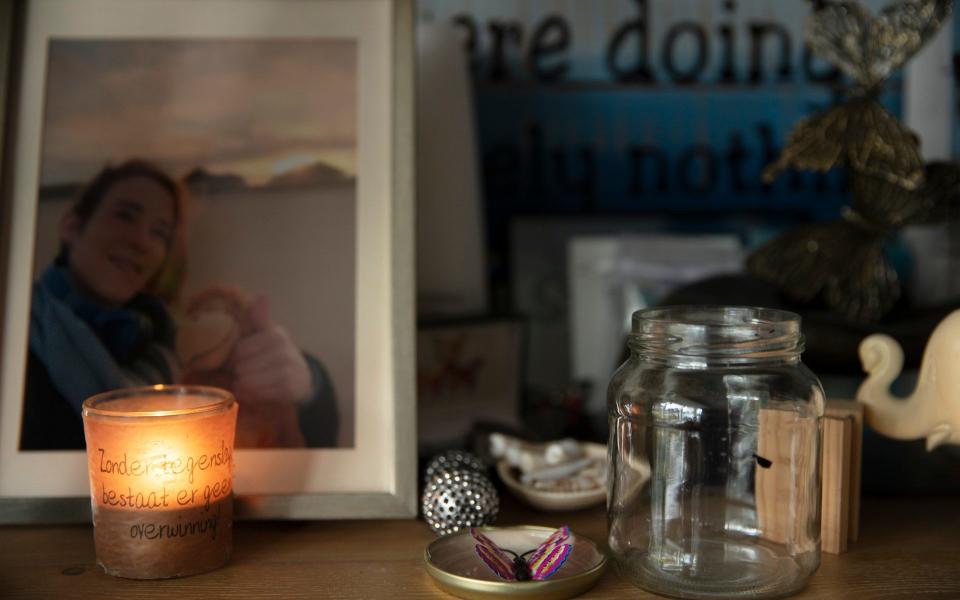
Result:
pixel 644 107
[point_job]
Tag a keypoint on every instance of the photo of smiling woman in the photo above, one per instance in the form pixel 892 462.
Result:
pixel 197 223
pixel 101 319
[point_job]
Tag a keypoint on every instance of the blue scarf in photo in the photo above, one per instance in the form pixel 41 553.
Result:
pixel 79 342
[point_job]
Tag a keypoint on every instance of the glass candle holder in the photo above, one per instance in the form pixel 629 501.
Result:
pixel 714 488
pixel 161 479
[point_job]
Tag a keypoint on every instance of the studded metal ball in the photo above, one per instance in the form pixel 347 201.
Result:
pixel 453 459
pixel 456 499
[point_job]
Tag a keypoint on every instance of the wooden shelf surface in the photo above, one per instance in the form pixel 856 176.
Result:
pixel 908 548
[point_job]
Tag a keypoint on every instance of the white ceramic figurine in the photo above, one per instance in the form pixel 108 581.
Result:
pixel 933 410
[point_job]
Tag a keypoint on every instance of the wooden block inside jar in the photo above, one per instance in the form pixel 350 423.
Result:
pixel 841 434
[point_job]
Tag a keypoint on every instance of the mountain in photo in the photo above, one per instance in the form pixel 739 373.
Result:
pixel 203 181
pixel 318 173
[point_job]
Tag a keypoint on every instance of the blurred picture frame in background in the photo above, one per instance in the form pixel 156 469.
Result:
pixel 469 374
pixel 215 195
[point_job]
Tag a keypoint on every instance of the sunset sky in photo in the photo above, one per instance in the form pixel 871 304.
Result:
pixel 254 108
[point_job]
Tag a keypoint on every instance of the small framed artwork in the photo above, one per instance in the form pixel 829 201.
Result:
pixel 213 193
pixel 468 372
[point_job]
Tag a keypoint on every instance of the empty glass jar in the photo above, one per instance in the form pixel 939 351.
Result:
pixel 714 454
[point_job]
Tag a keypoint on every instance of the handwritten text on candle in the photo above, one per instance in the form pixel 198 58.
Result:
pixel 163 467
pixel 154 531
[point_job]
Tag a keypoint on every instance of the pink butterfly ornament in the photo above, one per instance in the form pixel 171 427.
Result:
pixel 543 562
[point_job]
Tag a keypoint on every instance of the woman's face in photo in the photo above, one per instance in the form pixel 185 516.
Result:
pixel 123 244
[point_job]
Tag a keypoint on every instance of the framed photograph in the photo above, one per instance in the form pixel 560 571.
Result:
pixel 468 372
pixel 214 193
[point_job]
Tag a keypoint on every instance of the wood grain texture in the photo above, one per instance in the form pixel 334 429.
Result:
pixel 835 484
pixel 908 549
pixel 785 493
pixel 838 408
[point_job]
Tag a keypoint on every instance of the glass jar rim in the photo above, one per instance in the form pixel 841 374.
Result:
pixel 219 400
pixel 731 333
pixel 684 314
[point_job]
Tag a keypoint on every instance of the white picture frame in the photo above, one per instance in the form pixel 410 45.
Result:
pixel 376 476
pixel 611 276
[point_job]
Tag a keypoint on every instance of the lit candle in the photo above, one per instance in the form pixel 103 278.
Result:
pixel 161 479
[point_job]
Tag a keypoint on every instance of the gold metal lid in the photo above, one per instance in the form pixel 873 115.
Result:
pixel 453 563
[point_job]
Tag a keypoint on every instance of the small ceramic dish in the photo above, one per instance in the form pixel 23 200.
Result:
pixel 454 565
pixel 553 500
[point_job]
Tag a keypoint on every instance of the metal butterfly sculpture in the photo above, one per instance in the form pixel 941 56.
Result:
pixel 843 260
pixel 543 562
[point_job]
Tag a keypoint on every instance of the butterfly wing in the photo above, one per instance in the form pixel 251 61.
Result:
pixel 868 288
pixel 887 204
pixel 800 261
pixel 493 556
pixel 859 133
pixel 550 555
pixel 557 537
pixel 550 562
pixel 878 144
pixel 869 48
pixel 833 32
pixel 842 259
pixel 901 29
pixel 810 145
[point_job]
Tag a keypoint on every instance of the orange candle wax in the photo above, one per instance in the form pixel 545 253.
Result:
pixel 161 479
